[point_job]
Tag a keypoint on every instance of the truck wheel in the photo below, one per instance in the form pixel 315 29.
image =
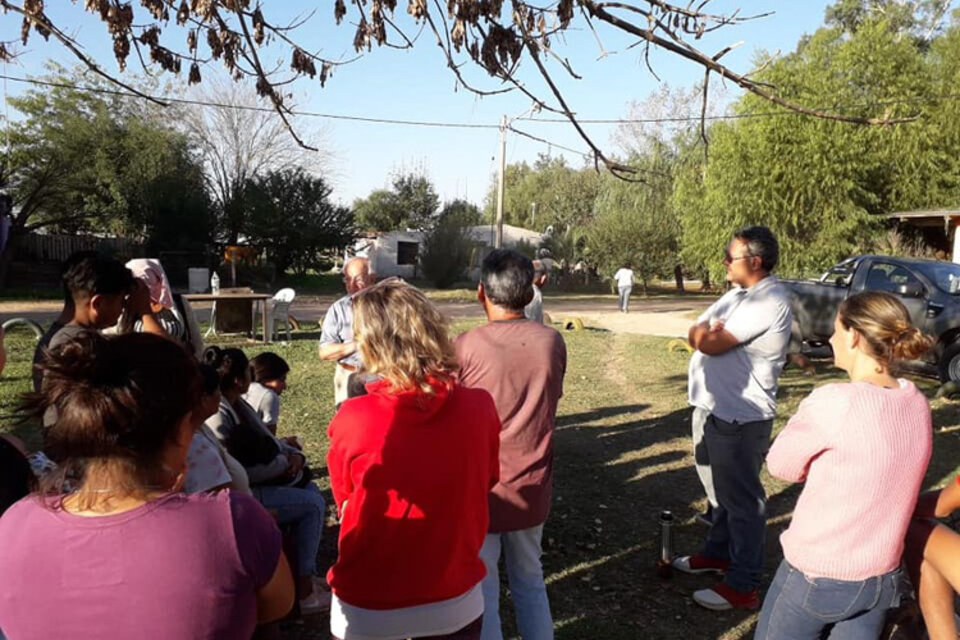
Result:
pixel 950 363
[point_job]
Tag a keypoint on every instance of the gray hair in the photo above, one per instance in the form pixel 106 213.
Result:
pixel 507 278
pixel 761 243
pixel 351 259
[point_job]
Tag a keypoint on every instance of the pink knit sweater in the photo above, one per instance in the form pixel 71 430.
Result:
pixel 863 451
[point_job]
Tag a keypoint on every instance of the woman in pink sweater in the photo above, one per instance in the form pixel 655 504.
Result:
pixel 862 448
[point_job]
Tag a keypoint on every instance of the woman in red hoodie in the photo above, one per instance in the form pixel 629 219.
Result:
pixel 411 465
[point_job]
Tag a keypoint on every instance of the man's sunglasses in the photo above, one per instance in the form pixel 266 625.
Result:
pixel 727 258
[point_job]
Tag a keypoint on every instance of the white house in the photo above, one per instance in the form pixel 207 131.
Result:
pixel 395 253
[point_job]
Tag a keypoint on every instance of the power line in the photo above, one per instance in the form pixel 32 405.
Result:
pixel 740 116
pixel 547 142
pixel 218 105
pixel 470 125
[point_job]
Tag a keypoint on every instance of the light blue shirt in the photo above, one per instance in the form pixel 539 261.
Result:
pixel 741 384
pixel 338 328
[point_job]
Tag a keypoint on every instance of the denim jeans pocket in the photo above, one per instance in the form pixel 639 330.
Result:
pixel 833 599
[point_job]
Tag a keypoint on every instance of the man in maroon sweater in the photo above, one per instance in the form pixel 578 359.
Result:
pixel 521 363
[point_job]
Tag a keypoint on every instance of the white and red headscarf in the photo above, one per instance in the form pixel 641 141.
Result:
pixel 151 272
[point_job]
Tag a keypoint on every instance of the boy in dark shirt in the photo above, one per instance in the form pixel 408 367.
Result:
pixel 96 288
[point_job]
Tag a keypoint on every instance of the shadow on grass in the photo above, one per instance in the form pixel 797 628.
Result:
pixel 601 541
pixel 600 414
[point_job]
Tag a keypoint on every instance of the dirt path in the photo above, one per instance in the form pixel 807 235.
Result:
pixel 664 316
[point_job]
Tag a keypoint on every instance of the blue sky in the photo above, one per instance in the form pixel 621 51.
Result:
pixel 416 85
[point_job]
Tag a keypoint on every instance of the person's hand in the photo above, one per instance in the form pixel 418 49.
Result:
pixel 138 302
pixel 716 324
pixel 295 465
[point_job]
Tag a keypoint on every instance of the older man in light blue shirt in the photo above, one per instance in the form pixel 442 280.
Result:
pixel 336 336
pixel 741 347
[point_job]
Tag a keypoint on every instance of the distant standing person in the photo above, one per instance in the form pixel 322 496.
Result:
pixel 336 337
pixel 741 345
pixel 624 278
pixel 534 310
pixel 521 364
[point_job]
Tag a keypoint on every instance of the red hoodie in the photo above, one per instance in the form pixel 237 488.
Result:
pixel 411 473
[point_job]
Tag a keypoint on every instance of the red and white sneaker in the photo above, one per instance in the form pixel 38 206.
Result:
pixel 700 564
pixel 723 597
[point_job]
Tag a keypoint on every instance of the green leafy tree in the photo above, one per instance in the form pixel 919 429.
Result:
pixel 818 184
pixel 446 252
pixel 411 202
pixel 376 212
pixel 549 192
pixel 635 224
pixel 292 218
pixel 92 162
pixel 463 212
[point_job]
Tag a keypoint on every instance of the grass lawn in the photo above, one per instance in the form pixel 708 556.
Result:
pixel 622 455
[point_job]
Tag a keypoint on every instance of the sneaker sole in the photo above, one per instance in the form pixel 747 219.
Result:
pixel 700 572
pixel 714 607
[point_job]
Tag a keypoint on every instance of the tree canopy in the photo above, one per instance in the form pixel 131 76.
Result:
pixel 411 202
pixel 818 184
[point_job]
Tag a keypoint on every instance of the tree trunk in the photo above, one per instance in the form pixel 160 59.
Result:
pixel 643 282
pixel 706 280
pixel 678 276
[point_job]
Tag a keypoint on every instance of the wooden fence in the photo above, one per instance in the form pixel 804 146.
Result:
pixel 51 247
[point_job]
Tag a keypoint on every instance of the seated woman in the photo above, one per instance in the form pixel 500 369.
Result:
pixel 411 464
pixel 169 310
pixel 269 372
pixel 862 449
pixel 209 466
pixel 933 560
pixel 278 472
pixel 126 554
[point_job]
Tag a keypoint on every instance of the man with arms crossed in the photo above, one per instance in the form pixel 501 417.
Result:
pixel 741 345
pixel 521 363
pixel 336 336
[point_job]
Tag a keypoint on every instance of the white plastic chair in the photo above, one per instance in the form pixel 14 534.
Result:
pixel 280 310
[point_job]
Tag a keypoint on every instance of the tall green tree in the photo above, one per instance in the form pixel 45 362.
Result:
pixel 410 202
pixel 292 218
pixel 465 213
pixel 635 223
pixel 93 162
pixel 821 185
pixel 548 192
pixel 446 252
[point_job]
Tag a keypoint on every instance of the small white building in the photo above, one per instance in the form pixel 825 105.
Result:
pixel 396 253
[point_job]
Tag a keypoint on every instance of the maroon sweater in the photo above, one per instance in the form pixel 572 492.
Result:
pixel 410 474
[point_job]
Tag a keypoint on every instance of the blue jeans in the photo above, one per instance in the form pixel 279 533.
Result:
pixel 734 453
pixel 800 608
pixel 304 508
pixel 521 550
pixel 624 298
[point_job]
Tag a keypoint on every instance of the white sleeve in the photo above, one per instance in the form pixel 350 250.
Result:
pixel 270 408
pixel 205 467
pixel 755 316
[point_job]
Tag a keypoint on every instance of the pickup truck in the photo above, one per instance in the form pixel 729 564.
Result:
pixel 930 290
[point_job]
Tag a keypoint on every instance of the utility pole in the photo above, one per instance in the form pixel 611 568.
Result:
pixel 498 243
